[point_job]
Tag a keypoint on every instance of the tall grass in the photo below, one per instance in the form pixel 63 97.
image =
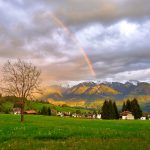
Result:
pixel 44 132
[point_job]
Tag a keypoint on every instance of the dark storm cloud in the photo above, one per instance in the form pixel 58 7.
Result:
pixel 104 11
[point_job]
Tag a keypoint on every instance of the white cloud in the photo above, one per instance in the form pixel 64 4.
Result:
pixel 128 29
pixel 141 75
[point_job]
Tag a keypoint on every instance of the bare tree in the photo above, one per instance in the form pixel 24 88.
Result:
pixel 21 79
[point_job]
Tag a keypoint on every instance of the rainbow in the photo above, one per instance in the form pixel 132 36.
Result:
pixel 73 37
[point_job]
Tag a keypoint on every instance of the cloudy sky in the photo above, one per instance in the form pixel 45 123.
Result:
pixel 115 35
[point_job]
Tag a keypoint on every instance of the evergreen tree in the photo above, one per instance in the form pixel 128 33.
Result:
pixel 99 111
pixel 116 111
pixel 95 112
pixel 109 111
pixel 49 111
pixel 135 109
pixel 105 113
pixel 128 105
pixel 78 111
pixel 124 107
pixel 44 110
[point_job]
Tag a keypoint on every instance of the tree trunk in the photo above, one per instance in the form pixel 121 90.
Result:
pixel 22 117
pixel 22 112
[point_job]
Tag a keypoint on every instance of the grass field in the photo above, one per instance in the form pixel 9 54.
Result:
pixel 44 133
pixel 38 106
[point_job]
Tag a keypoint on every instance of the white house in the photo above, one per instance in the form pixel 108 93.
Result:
pixel 30 112
pixel 60 114
pixel 94 116
pixel 148 117
pixel 143 118
pixel 99 116
pixel 16 111
pixel 74 115
pixel 127 115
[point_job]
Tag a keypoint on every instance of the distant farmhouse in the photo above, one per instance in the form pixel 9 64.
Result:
pixel 99 116
pixel 75 115
pixel 143 118
pixel 30 112
pixel 16 111
pixel 127 115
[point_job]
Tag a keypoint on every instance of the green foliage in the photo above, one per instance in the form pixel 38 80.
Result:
pixel 36 105
pixel 39 105
pixel 8 103
pixel 136 110
pixel 109 110
pixel 12 99
pixel 128 105
pixel 78 111
pixel 133 107
pixel 95 112
pixel 49 111
pixel 45 111
pixel 116 110
pixel 124 107
pixel 105 114
pixel 6 107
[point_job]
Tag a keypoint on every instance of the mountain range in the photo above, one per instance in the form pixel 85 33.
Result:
pixel 92 92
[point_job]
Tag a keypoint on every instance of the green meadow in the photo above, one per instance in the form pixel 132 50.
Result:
pixel 7 105
pixel 50 133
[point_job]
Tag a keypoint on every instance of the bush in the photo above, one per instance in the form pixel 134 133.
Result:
pixel 6 107
pixel 46 111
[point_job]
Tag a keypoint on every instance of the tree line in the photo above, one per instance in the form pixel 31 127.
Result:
pixel 45 111
pixel 133 107
pixel 110 110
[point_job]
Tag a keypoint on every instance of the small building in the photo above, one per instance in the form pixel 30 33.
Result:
pixel 60 114
pixel 74 115
pixel 99 116
pixel 53 112
pixel 30 112
pixel 67 114
pixel 89 116
pixel 143 118
pixel 148 116
pixel 127 115
pixel 16 111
